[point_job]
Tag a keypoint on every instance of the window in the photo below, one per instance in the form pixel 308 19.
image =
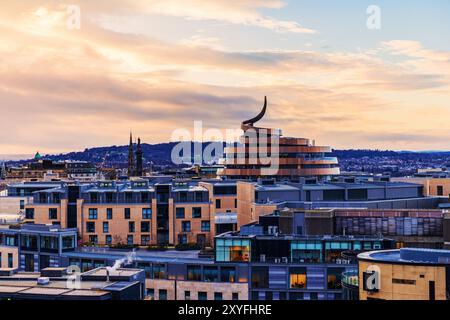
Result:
pixel 130 240
pixel 306 251
pixel 145 226
pixel 22 204
pixel 131 226
pixel 297 278
pixel 53 213
pixel 196 212
pixel 235 250
pixel 198 197
pixel 10 241
pixel 403 281
pixel 29 213
pixel 194 273
pixel 187 295
pixel 127 213
pixel 93 239
pixel 440 190
pixel 179 213
pixel 235 296
pixel 145 240
pixel 10 260
pixel 162 294
pixel 182 239
pixel 93 214
pixel 334 278
pixel 186 226
pixel 235 203
pixel 206 226
pixel 108 239
pixel 211 274
pixel 260 277
pixel 218 296
pixel 90 227
pixel 151 294
pixel 218 203
pixel 105 227
pixel 159 272
pixel 146 213
pixel 227 274
pixel 109 213
pixel 202 295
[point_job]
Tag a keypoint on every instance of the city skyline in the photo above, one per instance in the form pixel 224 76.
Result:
pixel 162 65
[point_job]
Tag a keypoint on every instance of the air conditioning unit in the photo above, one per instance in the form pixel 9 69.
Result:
pixel 43 281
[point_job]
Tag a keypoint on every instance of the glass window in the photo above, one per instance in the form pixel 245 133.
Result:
pixel 297 277
pixel 202 295
pixel 334 277
pixel 159 271
pixel 187 295
pixel 29 213
pixel 131 226
pixel 127 213
pixel 108 239
pixel 145 226
pixel 196 212
pixel 109 213
pixel 206 226
pixel 235 296
pixel 49 244
pixel 227 274
pixel 93 239
pixel 93 214
pixel 146 213
pixel 218 204
pixel 90 227
pixel 145 240
pixel 186 226
pixel 105 227
pixel 218 296
pixel 260 277
pixel 162 294
pixel 130 241
pixel 194 273
pixel 180 212
pixel 68 242
pixel 53 214
pixel 211 274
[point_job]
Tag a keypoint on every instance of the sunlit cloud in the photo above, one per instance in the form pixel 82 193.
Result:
pixel 71 89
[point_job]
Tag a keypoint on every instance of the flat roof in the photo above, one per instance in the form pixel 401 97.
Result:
pixel 410 256
pixel 169 256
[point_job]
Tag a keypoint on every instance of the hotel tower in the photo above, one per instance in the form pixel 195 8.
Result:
pixel 265 153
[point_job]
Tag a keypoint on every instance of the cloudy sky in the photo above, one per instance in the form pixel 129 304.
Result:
pixel 154 66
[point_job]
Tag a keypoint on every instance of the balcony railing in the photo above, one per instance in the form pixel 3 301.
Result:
pixel 350 278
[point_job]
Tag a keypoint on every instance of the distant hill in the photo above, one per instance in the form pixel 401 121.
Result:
pixel 160 154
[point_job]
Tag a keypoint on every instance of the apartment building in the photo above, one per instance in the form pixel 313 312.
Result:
pixel 137 212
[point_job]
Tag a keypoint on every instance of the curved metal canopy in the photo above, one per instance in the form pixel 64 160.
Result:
pixel 251 121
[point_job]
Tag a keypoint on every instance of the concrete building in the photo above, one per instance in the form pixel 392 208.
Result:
pixel 405 274
pixel 56 284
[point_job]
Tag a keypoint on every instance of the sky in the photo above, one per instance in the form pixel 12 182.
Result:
pixel 83 73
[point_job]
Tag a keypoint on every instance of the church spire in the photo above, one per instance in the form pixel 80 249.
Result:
pixel 139 167
pixel 131 165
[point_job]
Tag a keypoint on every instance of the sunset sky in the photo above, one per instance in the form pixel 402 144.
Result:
pixel 157 65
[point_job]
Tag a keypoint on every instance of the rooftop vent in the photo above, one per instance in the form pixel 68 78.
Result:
pixel 42 281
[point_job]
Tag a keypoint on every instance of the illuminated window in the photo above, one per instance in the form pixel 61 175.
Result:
pixel 297 278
